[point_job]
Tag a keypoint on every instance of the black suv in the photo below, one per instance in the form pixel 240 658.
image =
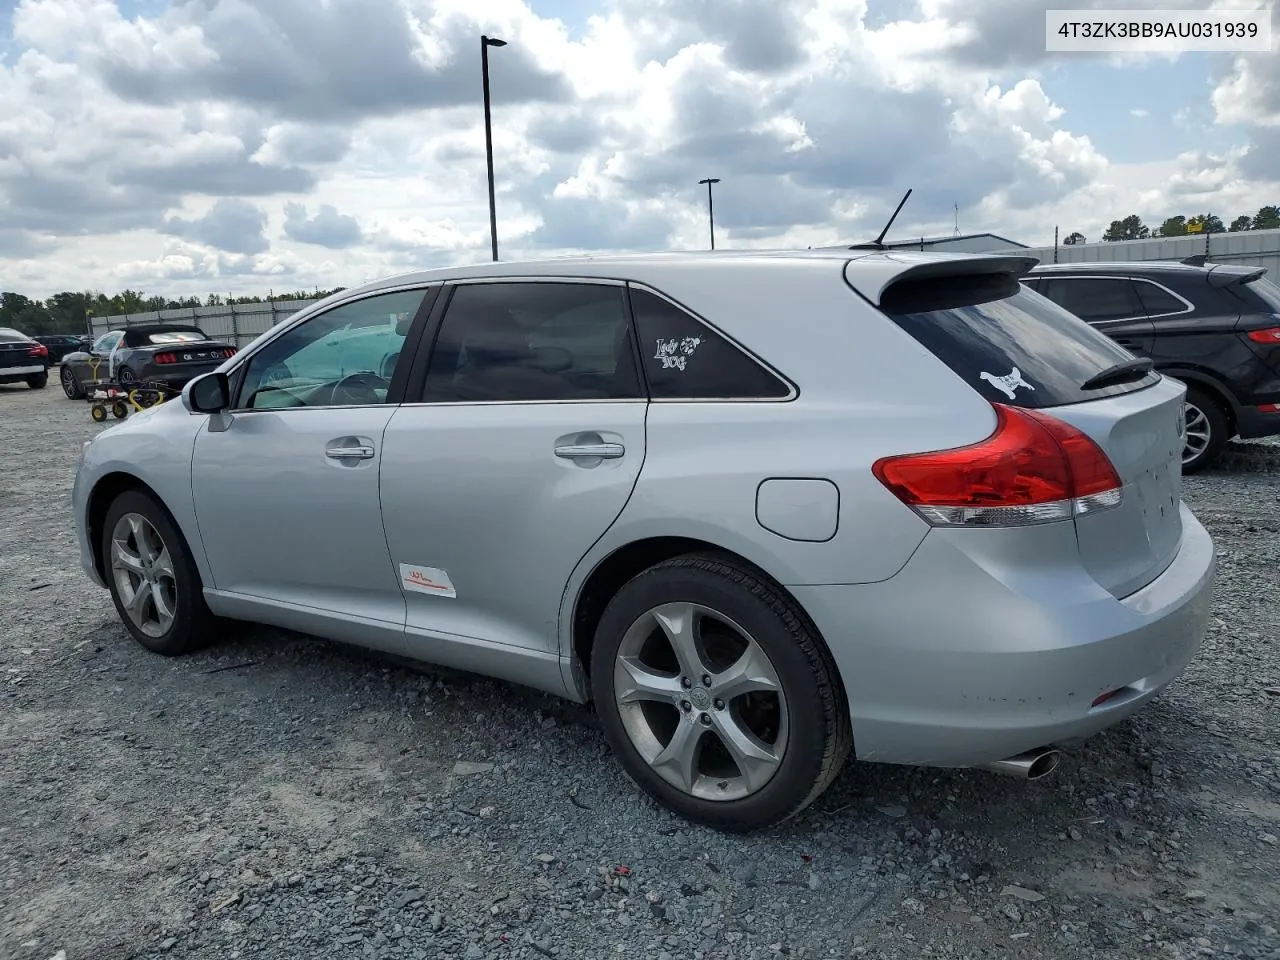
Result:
pixel 1216 327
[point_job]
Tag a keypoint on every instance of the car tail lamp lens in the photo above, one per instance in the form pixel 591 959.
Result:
pixel 166 358
pixel 228 352
pixel 38 350
pixel 1033 469
pixel 1269 335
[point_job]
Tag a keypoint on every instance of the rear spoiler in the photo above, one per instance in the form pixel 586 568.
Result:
pixel 1230 275
pixel 874 276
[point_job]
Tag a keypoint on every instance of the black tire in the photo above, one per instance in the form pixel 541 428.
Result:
pixel 39 381
pixel 819 735
pixel 98 412
pixel 1204 410
pixel 125 375
pixel 192 624
pixel 70 385
pixel 119 409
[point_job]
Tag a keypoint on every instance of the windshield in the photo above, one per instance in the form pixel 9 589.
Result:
pixel 1020 349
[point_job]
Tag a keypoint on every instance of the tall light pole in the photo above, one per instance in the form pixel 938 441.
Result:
pixel 711 210
pixel 485 44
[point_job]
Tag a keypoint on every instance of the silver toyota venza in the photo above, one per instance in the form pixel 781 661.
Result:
pixel 765 510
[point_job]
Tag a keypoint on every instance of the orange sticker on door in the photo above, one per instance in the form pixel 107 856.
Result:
pixel 430 580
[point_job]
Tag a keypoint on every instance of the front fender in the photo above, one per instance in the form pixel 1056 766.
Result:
pixel 152 449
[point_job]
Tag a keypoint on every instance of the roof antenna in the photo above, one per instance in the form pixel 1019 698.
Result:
pixel 878 242
pixel 957 230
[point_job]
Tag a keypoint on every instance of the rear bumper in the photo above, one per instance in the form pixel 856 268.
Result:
pixel 23 373
pixel 1252 423
pixel 958 660
pixel 177 377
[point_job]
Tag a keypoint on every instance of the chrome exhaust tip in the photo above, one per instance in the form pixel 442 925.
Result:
pixel 1032 765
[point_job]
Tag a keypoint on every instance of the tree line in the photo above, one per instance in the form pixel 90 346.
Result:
pixel 1132 227
pixel 69 312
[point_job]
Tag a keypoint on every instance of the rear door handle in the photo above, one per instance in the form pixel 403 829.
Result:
pixel 581 451
pixel 349 453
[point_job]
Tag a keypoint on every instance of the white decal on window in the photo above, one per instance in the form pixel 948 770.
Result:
pixel 1008 384
pixel 676 353
pixel 431 580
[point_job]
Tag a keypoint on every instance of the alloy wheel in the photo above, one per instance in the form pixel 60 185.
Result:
pixel 1198 434
pixel 69 383
pixel 701 702
pixel 142 568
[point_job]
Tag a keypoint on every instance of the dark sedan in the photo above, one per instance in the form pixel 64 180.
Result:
pixel 167 354
pixel 22 360
pixel 60 344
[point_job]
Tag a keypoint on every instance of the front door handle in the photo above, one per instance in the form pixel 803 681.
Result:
pixel 349 453
pixel 582 451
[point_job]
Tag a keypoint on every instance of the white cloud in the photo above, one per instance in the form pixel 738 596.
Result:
pixel 235 144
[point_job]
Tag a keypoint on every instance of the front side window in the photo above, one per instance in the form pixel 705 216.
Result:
pixel 1095 299
pixel 343 357
pixel 107 342
pixel 684 359
pixel 520 341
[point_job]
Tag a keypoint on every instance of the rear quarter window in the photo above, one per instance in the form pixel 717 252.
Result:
pixel 1007 342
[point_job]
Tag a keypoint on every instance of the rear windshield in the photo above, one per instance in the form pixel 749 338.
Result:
pixel 175 336
pixel 1009 343
pixel 12 336
pixel 1266 291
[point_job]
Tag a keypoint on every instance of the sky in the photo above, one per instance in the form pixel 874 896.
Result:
pixel 184 147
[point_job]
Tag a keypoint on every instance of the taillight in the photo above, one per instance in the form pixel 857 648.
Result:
pixel 1269 335
pixel 166 358
pixel 1033 469
pixel 38 350
pixel 228 352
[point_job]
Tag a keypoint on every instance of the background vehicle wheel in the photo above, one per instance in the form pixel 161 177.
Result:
pixel 119 410
pixel 98 412
pixel 39 381
pixel 1207 431
pixel 154 582
pixel 70 385
pixel 717 696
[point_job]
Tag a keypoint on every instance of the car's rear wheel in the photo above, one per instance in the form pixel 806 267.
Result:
pixel 70 385
pixel 1207 431
pixel 153 579
pixel 39 381
pixel 717 696
pixel 125 375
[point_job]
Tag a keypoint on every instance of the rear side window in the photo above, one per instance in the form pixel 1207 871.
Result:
pixel 1011 345
pixel 1157 300
pixel 1095 299
pixel 684 359
pixel 547 341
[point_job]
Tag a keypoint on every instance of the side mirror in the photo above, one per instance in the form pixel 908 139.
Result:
pixel 210 393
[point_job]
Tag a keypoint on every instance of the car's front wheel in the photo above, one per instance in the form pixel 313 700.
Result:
pixel 70 385
pixel 717 696
pixel 153 579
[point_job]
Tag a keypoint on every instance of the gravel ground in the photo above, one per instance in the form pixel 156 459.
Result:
pixel 282 797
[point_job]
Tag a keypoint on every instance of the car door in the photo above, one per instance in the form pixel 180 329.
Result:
pixel 1109 303
pixel 523 447
pixel 286 494
pixel 95 365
